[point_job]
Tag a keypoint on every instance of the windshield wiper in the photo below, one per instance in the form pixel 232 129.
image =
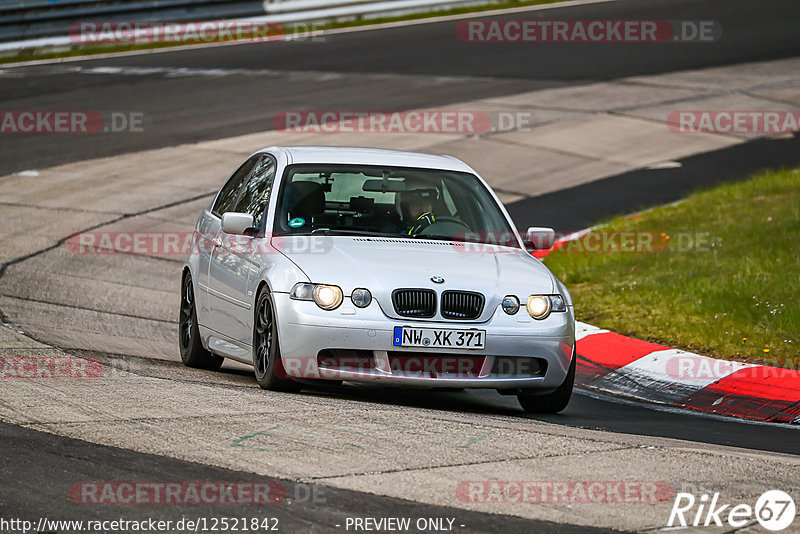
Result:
pixel 431 237
pixel 461 239
pixel 340 231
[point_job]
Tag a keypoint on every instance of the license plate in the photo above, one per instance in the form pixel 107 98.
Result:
pixel 440 338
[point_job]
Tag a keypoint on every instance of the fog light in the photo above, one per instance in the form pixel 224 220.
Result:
pixel 510 304
pixel 538 306
pixel 361 297
pixel 327 297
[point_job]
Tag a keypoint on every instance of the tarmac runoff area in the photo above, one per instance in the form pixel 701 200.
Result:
pixel 120 311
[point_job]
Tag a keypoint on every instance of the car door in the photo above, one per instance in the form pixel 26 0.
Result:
pixel 236 259
pixel 209 228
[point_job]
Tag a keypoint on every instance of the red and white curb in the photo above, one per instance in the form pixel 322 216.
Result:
pixel 630 367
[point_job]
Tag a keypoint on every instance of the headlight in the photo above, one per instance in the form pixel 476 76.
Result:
pixel 361 297
pixel 326 296
pixel 510 304
pixel 540 306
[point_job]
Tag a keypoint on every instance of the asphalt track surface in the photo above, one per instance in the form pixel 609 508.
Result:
pixel 233 90
pixel 45 467
pixel 576 208
pixel 402 68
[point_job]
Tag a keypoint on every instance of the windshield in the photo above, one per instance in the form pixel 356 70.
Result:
pixel 389 202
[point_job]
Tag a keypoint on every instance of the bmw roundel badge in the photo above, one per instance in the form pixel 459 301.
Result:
pixel 437 279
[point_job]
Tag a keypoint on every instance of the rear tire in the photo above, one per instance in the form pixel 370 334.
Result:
pixel 193 354
pixel 267 363
pixel 552 402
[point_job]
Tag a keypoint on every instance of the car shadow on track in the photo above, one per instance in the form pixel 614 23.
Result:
pixel 451 400
pixel 586 410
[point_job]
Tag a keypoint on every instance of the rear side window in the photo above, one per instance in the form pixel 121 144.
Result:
pixel 226 199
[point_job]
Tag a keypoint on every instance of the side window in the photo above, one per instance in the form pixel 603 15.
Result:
pixel 227 196
pixel 255 194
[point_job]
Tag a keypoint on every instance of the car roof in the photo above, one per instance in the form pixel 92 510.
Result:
pixel 368 156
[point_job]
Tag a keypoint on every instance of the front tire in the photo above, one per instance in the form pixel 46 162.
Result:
pixel 267 363
pixel 552 402
pixel 193 354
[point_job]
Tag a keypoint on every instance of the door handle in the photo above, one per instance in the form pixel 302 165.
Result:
pixel 217 242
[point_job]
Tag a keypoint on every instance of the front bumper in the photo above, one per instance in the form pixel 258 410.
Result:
pixel 355 344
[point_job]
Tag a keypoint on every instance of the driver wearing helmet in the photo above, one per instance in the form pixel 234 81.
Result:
pixel 417 209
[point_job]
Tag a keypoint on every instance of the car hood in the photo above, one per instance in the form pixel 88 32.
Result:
pixel 385 264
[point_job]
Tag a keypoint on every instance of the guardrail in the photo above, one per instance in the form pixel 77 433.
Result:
pixel 45 18
pixel 326 10
pixel 45 23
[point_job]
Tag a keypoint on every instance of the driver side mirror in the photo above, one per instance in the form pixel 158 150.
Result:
pixel 236 223
pixel 540 238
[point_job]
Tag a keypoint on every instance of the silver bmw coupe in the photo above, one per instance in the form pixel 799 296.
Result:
pixel 365 265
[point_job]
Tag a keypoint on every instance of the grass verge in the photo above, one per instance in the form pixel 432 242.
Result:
pixel 89 50
pixel 724 280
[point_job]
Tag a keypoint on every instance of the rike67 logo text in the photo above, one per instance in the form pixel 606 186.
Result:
pixel 774 510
